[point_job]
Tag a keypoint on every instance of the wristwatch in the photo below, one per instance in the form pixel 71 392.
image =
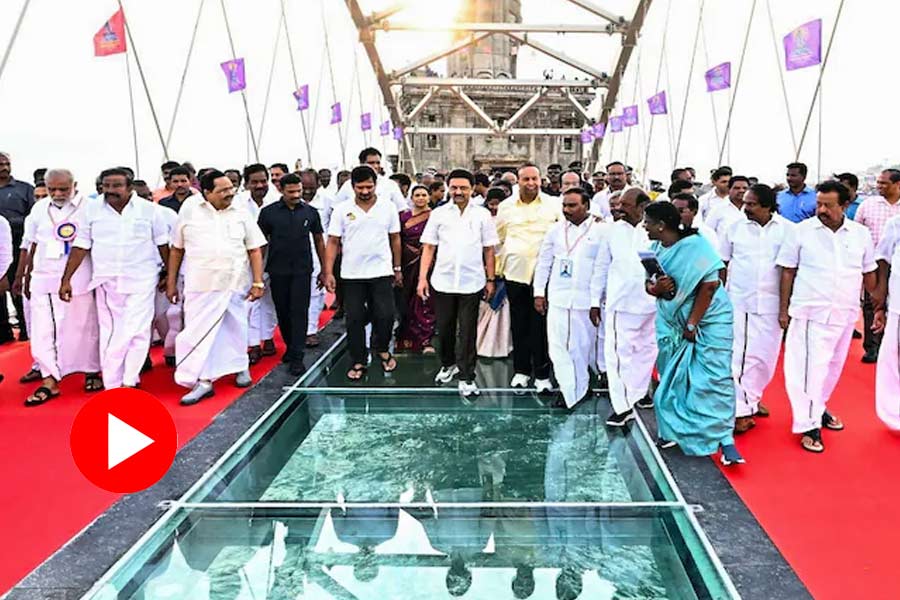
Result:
pixel 397 269
pixel 691 327
pixel 491 279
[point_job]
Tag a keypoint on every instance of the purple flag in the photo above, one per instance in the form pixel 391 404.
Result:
pixel 719 77
pixel 302 97
pixel 599 130
pixel 385 128
pixel 234 71
pixel 366 121
pixel 398 133
pixel 630 116
pixel 587 136
pixel 615 124
pixel 803 46
pixel 657 104
pixel 336 114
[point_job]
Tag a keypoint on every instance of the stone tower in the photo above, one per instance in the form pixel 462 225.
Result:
pixel 494 57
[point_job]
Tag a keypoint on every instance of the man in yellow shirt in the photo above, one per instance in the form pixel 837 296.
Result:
pixel 522 222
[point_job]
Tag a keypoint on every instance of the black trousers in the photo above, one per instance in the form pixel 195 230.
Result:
pixel 368 300
pixel 871 341
pixel 290 293
pixel 529 332
pixel 457 326
pixel 5 328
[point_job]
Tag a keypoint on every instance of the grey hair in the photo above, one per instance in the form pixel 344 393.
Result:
pixel 5 155
pixel 59 173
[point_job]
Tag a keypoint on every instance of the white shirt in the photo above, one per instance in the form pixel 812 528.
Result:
pixel 566 263
pixel 751 251
pixel 711 200
pixel 124 246
pixel 385 189
pixel 889 250
pixel 460 238
pixel 365 238
pixel 711 236
pixel 324 203
pixel 830 267
pixel 722 217
pixel 215 244
pixel 618 273
pixel 50 257
pixel 6 245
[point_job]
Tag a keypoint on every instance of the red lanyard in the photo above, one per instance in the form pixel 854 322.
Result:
pixel 570 249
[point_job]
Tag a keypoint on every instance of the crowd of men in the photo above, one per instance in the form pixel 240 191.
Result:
pixel 210 264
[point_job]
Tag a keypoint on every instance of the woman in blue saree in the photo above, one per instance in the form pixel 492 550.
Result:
pixel 695 398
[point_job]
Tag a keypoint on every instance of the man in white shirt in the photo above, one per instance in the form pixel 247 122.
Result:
pixel 385 188
pixel 6 258
pixel 64 336
pixel 562 291
pixel 688 206
pixel 750 248
pixel 718 195
pixel 720 218
pixel 262 319
pixel 824 265
pixel 887 374
pixel 316 197
pixel 217 243
pixel 367 231
pixel 464 236
pixel 616 181
pixel 618 282
pixel 126 237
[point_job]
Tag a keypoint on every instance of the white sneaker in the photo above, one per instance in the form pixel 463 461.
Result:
pixel 520 381
pixel 243 379
pixel 468 388
pixel 446 374
pixel 543 386
pixel 203 389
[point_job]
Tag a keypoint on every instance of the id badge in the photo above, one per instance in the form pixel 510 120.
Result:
pixel 566 268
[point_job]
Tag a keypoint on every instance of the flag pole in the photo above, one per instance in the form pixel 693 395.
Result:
pixel 243 91
pixel 12 40
pixel 287 34
pixel 737 82
pixel 184 73
pixel 137 162
pixel 137 61
pixel 333 86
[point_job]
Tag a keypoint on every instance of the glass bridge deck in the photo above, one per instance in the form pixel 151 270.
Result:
pixel 393 488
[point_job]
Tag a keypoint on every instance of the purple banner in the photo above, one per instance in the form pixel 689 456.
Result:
pixel 615 124
pixel 234 71
pixel 599 130
pixel 719 77
pixel 366 121
pixel 587 136
pixel 657 104
pixel 337 114
pixel 630 116
pixel 803 46
pixel 385 128
pixel 398 133
pixel 302 97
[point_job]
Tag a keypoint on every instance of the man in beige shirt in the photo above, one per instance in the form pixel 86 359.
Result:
pixel 522 222
pixel 216 241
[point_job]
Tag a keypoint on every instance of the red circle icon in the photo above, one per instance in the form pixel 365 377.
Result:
pixel 123 440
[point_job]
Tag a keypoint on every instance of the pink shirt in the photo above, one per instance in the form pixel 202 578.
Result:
pixel 874 213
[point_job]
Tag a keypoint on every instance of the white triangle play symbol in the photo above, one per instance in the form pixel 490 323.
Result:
pixel 124 441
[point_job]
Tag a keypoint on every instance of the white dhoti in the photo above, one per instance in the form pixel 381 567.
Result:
pixel 598 347
pixel 570 335
pixel 261 318
pixel 174 318
pixel 26 308
pixel 814 356
pixel 65 336
pixel 630 356
pixel 757 344
pixel 887 376
pixel 160 326
pixel 213 341
pixel 316 303
pixel 125 321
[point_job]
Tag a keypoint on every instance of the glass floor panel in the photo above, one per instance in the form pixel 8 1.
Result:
pixel 396 489
pixel 379 554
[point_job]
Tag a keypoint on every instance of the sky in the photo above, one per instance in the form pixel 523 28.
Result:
pixel 62 107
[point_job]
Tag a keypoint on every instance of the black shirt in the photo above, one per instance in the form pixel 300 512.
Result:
pixel 16 200
pixel 288 231
pixel 171 202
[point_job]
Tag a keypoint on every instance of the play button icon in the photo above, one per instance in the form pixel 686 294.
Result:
pixel 123 440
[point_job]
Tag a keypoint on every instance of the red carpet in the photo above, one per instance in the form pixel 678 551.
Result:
pixel 45 499
pixel 831 515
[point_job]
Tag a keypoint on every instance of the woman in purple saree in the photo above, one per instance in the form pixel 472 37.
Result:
pixel 417 324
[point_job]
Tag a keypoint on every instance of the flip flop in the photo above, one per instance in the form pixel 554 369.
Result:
pixel 358 369
pixel 41 395
pixel 93 383
pixel 31 376
pixel 812 442
pixel 386 361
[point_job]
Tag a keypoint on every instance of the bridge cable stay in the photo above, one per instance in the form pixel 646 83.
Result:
pixel 354 81
pixel 737 81
pixel 643 124
pixel 315 106
pixel 333 86
pixel 658 80
pixel 265 111
pixel 671 117
pixel 634 100
pixel 812 105
pixel 690 78
pixel 12 39
pixel 366 134
pixel 134 134
pixel 287 34
pixel 187 63
pixel 712 99
pixel 244 91
pixel 375 94
pixel 137 61
pixel 777 48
